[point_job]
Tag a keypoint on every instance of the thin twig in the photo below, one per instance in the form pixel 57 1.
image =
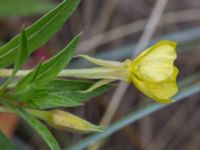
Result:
pixel 136 26
pixel 106 13
pixel 88 12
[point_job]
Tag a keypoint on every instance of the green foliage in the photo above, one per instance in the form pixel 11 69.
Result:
pixel 18 8
pixel 73 89
pixel 63 93
pixel 20 57
pixel 48 70
pixel 35 123
pixel 40 89
pixel 5 143
pixel 40 128
pixel 40 32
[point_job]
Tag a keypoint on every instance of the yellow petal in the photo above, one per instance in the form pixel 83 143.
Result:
pixel 166 88
pixel 160 91
pixel 156 63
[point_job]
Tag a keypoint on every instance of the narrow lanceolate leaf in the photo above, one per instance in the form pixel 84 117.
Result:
pixel 20 8
pixel 64 93
pixel 48 70
pixel 22 52
pixel 40 32
pixel 31 76
pixel 73 89
pixel 40 128
pixel 35 124
pixel 20 58
pixel 5 144
pixel 49 100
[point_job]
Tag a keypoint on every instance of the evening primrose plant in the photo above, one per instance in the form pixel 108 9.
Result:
pixel 38 94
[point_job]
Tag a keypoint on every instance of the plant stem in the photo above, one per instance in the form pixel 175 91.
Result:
pixel 90 73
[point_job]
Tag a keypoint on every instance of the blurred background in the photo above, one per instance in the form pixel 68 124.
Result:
pixel 113 30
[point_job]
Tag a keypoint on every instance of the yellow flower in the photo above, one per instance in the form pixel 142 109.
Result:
pixel 154 73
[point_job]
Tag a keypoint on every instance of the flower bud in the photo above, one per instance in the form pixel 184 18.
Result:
pixel 66 121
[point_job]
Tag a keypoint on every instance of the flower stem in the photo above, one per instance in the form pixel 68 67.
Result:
pixel 90 73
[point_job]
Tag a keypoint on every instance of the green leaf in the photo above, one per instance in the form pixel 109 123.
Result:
pixel 21 56
pixel 48 70
pixel 35 124
pixel 22 53
pixel 49 100
pixel 40 32
pixel 25 92
pixel 24 7
pixel 73 89
pixel 5 144
pixel 40 128
pixel 63 93
pixel 29 78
